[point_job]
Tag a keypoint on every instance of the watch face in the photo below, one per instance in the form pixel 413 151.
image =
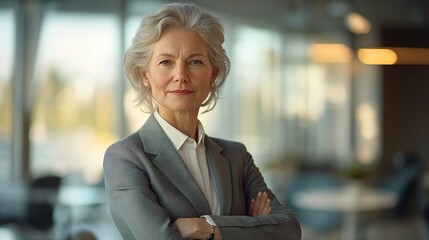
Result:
pixel 211 236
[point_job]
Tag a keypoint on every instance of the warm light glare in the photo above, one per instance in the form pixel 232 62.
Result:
pixel 357 24
pixel 415 56
pixel 368 132
pixel 367 121
pixel 377 56
pixel 330 53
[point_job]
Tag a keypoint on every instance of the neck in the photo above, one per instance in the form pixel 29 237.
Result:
pixel 186 122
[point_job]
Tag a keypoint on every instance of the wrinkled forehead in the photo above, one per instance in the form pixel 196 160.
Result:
pixel 180 41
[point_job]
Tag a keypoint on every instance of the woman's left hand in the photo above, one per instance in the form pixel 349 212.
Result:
pixel 260 205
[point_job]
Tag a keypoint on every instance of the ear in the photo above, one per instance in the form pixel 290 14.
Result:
pixel 214 75
pixel 143 75
pixel 144 78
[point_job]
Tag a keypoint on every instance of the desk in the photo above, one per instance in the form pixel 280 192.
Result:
pixel 351 199
pixel 77 196
pixel 7 234
pixel 72 198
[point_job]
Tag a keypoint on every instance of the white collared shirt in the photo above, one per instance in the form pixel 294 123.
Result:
pixel 194 156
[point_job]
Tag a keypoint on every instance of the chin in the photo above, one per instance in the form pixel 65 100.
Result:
pixel 184 108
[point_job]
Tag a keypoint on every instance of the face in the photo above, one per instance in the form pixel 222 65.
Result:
pixel 180 72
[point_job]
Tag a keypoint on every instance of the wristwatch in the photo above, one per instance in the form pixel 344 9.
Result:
pixel 211 236
pixel 212 226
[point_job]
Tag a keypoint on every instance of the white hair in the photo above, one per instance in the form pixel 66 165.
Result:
pixel 175 15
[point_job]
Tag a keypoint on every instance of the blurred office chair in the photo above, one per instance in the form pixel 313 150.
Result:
pixel 37 220
pixel 316 221
pixel 405 181
pixel 42 197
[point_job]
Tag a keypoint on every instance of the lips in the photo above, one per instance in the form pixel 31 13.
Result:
pixel 181 92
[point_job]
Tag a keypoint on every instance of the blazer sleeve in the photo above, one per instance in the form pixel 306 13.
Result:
pixel 281 223
pixel 132 204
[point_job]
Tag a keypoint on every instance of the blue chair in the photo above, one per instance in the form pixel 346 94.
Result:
pixel 317 221
pixel 405 181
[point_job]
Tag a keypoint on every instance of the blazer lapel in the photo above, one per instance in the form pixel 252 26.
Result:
pixel 220 170
pixel 169 162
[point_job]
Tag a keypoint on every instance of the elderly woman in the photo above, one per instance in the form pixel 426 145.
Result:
pixel 169 180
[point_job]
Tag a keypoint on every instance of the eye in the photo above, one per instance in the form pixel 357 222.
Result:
pixel 196 62
pixel 165 62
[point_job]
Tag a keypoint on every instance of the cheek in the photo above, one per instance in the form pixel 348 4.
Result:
pixel 158 80
pixel 157 90
pixel 206 84
pixel 204 90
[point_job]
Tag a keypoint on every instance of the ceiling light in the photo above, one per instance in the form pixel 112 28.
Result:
pixel 412 56
pixel 377 56
pixel 357 24
pixel 394 55
pixel 330 53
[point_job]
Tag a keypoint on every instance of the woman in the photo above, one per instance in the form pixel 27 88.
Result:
pixel 169 180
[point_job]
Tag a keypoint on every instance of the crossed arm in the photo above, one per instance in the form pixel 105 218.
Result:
pixel 142 208
pixel 197 228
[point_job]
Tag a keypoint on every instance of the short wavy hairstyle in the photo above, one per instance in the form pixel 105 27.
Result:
pixel 175 15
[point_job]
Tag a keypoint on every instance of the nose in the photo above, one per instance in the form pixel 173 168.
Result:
pixel 181 73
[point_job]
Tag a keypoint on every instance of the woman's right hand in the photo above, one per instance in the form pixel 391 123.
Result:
pixel 260 205
pixel 195 228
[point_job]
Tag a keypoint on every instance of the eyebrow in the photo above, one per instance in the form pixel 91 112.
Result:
pixel 190 56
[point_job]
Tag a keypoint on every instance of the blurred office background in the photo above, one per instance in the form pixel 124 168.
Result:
pixel 326 94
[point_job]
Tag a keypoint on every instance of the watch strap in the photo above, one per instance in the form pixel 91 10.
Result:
pixel 211 236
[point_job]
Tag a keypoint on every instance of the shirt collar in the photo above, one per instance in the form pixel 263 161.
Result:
pixel 177 137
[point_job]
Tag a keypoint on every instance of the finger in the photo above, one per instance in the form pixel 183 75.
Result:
pixel 262 201
pixel 255 205
pixel 267 207
pixel 264 207
pixel 252 205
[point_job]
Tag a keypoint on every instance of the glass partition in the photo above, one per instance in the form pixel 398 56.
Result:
pixel 7 31
pixel 74 115
pixel 281 99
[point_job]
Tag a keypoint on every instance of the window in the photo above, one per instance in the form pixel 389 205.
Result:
pixel 280 103
pixel 74 114
pixel 6 58
pixel 254 81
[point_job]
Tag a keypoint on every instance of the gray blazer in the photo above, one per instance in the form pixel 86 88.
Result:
pixel 148 187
